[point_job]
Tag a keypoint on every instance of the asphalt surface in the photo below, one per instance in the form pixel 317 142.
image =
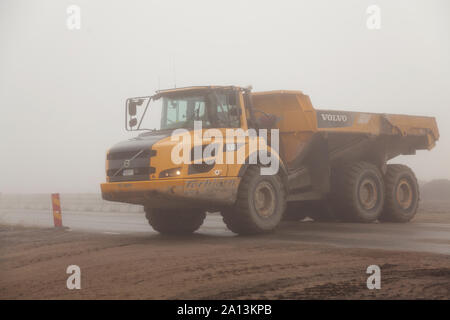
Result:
pixel 414 236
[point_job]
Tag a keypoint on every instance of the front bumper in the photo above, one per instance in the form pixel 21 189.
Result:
pixel 170 193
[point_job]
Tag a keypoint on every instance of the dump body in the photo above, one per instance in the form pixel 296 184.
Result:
pixel 379 124
pixel 348 135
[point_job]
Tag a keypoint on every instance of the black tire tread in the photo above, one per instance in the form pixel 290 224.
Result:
pixel 175 221
pixel 238 219
pixel 343 185
pixel 392 172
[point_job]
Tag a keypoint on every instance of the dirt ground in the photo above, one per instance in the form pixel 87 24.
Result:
pixel 33 264
pixel 434 212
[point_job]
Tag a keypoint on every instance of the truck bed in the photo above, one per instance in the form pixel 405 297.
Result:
pixel 350 135
pixel 423 128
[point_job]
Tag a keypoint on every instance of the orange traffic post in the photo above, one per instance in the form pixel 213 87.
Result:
pixel 57 217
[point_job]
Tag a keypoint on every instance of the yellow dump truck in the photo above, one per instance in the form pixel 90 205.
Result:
pixel 262 157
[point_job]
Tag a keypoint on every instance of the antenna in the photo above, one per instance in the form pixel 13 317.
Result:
pixel 174 73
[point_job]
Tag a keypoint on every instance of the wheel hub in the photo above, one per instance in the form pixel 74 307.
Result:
pixel 404 194
pixel 368 194
pixel 264 199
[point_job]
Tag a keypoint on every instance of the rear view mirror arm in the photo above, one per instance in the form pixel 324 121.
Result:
pixel 143 115
pixel 126 115
pixel 126 112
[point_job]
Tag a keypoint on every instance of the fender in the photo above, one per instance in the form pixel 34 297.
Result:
pixel 282 170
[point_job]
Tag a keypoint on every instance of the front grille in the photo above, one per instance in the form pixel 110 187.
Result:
pixel 139 164
pixel 136 171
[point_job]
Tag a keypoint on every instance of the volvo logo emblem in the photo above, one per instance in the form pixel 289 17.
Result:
pixel 126 163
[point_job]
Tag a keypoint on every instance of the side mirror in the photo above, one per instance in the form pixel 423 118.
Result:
pixel 133 122
pixel 132 104
pixel 132 109
pixel 133 116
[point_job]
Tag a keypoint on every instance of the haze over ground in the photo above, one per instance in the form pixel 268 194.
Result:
pixel 62 92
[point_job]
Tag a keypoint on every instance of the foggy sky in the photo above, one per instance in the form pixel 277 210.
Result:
pixel 62 92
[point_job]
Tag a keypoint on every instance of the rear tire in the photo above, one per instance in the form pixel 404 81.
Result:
pixel 175 221
pixel 260 204
pixel 402 194
pixel 359 192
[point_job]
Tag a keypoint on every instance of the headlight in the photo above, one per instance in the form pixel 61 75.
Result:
pixel 170 173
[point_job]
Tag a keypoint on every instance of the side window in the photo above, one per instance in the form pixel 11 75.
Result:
pixel 227 110
pixel 199 109
pixel 176 111
pixel 182 110
pixel 196 111
pixel 171 112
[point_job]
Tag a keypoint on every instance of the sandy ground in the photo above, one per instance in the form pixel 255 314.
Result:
pixel 138 265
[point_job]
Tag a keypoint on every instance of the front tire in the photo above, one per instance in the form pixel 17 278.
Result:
pixel 260 204
pixel 402 194
pixel 175 221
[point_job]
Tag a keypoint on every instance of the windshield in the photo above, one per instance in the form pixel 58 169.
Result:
pixel 218 110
